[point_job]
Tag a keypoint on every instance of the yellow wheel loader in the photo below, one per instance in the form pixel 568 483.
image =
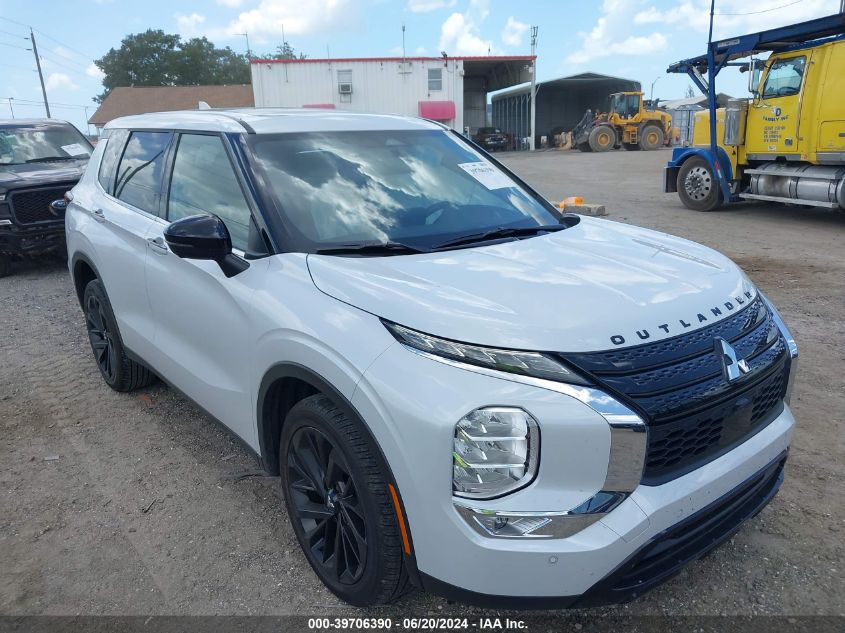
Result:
pixel 628 124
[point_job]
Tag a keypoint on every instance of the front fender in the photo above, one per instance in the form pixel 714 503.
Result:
pixel 722 168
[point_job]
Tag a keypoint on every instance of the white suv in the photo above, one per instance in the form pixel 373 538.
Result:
pixel 461 387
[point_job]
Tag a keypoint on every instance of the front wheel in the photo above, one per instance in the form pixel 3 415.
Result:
pixel 337 496
pixel 602 138
pixel 697 185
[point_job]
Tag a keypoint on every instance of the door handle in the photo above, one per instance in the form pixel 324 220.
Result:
pixel 98 215
pixel 158 245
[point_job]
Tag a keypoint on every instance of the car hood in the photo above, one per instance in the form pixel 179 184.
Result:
pixel 594 286
pixel 34 174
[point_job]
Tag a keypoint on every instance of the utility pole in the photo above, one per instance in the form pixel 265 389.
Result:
pixel 534 30
pixel 248 50
pixel 11 109
pixel 40 74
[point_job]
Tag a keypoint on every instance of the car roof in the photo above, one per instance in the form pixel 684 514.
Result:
pixel 271 120
pixel 32 122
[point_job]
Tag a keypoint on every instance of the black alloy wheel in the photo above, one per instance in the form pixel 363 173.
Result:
pixel 325 499
pixel 101 337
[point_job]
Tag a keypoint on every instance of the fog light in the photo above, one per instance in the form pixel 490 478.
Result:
pixel 495 452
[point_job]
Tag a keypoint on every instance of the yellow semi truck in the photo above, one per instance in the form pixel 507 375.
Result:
pixel 786 143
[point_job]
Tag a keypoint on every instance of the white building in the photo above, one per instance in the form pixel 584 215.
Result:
pixel 448 89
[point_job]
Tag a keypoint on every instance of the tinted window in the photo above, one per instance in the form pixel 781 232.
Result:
pixel 203 181
pixel 108 164
pixel 416 186
pixel 784 78
pixel 139 175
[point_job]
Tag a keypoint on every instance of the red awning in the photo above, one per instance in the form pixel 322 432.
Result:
pixel 437 110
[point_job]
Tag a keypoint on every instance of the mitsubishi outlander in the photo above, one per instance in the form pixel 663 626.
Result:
pixel 461 388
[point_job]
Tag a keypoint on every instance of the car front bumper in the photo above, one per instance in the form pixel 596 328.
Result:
pixel 16 240
pixel 613 559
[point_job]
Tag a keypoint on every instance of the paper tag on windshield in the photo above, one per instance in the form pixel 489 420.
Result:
pixel 75 149
pixel 487 175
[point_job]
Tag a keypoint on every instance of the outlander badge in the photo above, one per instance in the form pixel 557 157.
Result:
pixel 732 368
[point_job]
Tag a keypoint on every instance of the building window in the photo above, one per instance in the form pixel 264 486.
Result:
pixel 435 79
pixel 344 85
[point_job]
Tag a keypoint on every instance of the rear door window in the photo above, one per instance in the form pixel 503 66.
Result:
pixel 108 164
pixel 139 175
pixel 204 181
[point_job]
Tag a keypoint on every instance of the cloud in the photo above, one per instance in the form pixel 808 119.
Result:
pixel 424 6
pixel 460 33
pixel 293 17
pixel 513 32
pixel 611 35
pixel 231 3
pixel 59 81
pixel 734 17
pixel 189 25
pixel 94 71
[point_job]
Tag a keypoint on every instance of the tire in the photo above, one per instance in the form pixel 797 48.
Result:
pixel 631 147
pixel 697 186
pixel 651 137
pixel 602 138
pixel 341 508
pixel 119 371
pixel 5 265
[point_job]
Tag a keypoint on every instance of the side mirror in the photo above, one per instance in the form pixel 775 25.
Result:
pixel 204 237
pixel 58 207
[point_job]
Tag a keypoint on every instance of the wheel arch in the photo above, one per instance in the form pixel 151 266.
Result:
pixel 682 155
pixel 83 271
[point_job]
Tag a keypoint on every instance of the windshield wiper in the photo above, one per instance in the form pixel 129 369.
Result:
pixel 371 248
pixel 45 159
pixel 498 233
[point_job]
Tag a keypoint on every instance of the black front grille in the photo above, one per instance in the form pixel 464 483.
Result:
pixel 30 206
pixel 693 413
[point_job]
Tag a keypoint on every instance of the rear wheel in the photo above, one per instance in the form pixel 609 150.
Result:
pixel 602 138
pixel 697 186
pixel 651 137
pixel 119 371
pixel 337 497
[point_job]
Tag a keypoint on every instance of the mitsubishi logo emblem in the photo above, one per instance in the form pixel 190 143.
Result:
pixel 732 368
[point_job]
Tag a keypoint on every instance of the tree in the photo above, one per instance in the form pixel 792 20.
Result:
pixel 286 51
pixel 689 92
pixel 155 58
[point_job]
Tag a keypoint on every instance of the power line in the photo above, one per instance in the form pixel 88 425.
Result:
pixel 783 6
pixel 23 37
pixel 23 48
pixel 85 56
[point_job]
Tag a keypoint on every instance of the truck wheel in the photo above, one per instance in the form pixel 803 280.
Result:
pixel 651 137
pixel 697 186
pixel 5 265
pixel 602 138
pixel 337 497
pixel 119 371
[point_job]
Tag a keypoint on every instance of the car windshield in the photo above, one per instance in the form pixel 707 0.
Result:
pixel 421 188
pixel 33 143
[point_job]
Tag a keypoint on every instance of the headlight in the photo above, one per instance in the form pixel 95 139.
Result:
pixel 495 452
pixel 510 361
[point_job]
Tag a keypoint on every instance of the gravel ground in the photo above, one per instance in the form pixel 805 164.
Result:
pixel 139 504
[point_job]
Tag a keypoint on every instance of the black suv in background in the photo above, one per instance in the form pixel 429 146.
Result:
pixel 40 159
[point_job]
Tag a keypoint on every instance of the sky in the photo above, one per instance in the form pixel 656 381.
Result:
pixel 635 39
